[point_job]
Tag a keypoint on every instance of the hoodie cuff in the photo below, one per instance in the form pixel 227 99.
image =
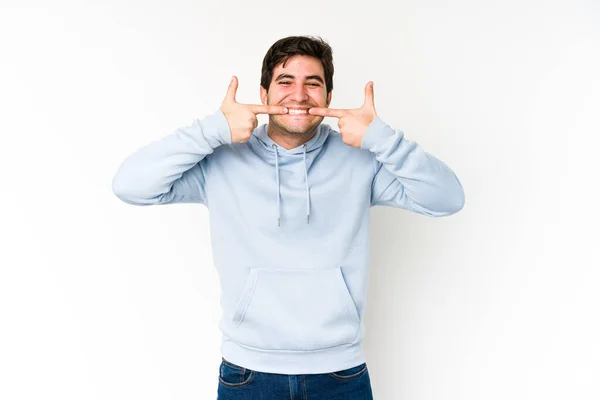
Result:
pixel 217 128
pixel 376 134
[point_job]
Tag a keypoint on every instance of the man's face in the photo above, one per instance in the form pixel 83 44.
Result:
pixel 299 85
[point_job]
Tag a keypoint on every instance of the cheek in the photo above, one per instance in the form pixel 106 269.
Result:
pixel 275 97
pixel 320 98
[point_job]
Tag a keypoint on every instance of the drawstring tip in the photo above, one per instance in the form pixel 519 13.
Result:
pixel 308 219
pixel 278 221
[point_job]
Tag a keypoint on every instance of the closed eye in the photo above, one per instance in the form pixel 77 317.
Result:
pixel 310 84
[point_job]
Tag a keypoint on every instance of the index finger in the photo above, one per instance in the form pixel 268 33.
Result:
pixel 267 109
pixel 327 112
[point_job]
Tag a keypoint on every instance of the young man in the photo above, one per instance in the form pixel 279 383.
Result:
pixel 289 204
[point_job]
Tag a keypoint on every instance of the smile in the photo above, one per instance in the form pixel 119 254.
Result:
pixel 297 112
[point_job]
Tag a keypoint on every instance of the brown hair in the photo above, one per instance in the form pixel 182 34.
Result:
pixel 290 46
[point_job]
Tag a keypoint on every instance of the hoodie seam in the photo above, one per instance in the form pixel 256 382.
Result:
pixel 208 174
pixel 297 351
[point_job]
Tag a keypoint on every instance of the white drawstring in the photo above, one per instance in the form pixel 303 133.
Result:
pixel 278 195
pixel 279 189
pixel 307 189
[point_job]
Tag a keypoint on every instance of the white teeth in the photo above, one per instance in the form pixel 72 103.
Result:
pixel 291 111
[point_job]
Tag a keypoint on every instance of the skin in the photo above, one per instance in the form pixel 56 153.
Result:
pixel 301 88
pixel 241 118
pixel 353 123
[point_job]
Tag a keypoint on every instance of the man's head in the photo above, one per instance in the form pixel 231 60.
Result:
pixel 297 72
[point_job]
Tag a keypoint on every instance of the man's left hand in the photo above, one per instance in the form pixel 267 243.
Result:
pixel 353 123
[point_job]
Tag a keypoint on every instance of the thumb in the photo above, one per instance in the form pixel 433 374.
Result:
pixel 232 89
pixel 369 95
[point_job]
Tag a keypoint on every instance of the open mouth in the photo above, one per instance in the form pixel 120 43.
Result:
pixel 298 111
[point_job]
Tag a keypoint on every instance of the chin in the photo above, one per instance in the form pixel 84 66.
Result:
pixel 300 128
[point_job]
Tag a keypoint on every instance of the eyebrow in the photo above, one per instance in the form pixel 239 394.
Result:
pixel 288 76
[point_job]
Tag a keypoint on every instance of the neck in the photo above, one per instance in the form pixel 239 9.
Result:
pixel 289 140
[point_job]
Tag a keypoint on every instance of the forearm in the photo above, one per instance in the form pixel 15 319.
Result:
pixel 424 184
pixel 147 175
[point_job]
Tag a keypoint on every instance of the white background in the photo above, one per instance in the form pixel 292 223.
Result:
pixel 104 300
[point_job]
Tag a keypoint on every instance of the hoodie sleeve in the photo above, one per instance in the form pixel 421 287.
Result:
pixel 173 168
pixel 408 177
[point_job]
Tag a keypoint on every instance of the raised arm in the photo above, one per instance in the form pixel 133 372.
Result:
pixel 408 177
pixel 173 169
pixel 169 170
pixel 405 175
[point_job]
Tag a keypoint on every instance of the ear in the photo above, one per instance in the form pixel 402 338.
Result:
pixel 329 98
pixel 263 95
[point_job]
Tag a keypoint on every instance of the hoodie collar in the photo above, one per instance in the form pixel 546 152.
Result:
pixel 267 143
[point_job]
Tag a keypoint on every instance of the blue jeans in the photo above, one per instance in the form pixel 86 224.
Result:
pixel 238 383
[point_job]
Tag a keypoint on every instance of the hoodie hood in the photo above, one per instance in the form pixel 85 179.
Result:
pixel 265 141
pixel 271 149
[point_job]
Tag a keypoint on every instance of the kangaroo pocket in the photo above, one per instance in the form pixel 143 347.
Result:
pixel 295 309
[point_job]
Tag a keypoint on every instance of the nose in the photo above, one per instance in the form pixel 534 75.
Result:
pixel 300 94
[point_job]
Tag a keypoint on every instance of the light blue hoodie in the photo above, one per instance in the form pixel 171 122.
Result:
pixel 290 229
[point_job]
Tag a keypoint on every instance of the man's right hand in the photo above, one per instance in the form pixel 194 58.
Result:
pixel 242 117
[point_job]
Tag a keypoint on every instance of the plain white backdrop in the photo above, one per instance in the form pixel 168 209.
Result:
pixel 104 300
